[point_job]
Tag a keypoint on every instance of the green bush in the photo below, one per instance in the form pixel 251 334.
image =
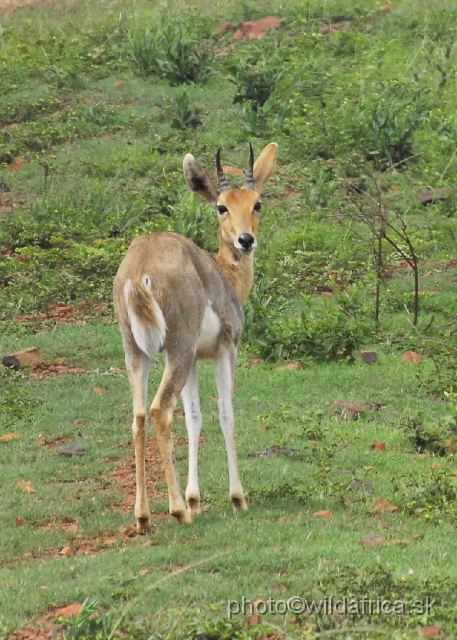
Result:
pixel 324 329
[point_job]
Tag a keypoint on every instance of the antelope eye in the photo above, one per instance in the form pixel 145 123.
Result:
pixel 221 209
pixel 257 206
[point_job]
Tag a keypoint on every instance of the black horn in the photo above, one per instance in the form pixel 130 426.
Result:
pixel 249 182
pixel 223 182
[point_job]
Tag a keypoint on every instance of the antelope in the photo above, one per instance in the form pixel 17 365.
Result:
pixel 171 296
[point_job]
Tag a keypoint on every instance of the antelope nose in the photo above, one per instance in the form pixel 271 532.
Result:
pixel 246 241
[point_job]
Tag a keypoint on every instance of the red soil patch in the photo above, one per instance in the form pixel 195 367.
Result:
pixel 256 28
pixel 125 476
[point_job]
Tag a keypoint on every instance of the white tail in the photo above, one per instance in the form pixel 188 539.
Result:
pixel 171 296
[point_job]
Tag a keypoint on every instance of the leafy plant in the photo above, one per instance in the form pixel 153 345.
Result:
pixel 393 120
pixel 425 437
pixel 433 497
pixel 323 329
pixel 195 220
pixel 256 80
pixel 89 624
pixel 16 402
pixel 175 51
pixel 184 118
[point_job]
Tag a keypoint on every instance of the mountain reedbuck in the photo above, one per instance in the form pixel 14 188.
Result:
pixel 172 297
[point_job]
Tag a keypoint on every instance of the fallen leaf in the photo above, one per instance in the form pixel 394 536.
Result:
pixel 234 171
pixel 373 541
pixel 256 28
pixel 381 505
pixel 67 612
pixel 431 632
pixel 26 485
pixel 323 514
pixel 290 365
pixel 148 543
pixel 379 446
pixel 412 356
pixel 252 620
pixel 16 164
pixel 10 436
pixel 251 363
pixel 99 390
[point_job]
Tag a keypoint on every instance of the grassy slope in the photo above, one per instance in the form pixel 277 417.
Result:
pixel 115 165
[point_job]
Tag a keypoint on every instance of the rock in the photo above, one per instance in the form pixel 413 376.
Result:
pixel 329 27
pixel 431 195
pixel 273 452
pixel 72 450
pixel 349 410
pixel 24 357
pixel 369 357
pixel 361 485
pixel 256 28
pixel 373 541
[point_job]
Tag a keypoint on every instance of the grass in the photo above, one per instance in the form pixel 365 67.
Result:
pixel 91 146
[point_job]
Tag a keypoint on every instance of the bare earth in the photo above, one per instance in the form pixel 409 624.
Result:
pixel 7 6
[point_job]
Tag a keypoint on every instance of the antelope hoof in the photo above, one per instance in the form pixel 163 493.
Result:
pixel 239 503
pixel 143 525
pixel 193 504
pixel 183 516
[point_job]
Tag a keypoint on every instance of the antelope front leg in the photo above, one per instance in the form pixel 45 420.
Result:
pixel 224 372
pixel 193 415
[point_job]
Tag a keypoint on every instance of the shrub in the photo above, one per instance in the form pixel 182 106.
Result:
pixel 325 329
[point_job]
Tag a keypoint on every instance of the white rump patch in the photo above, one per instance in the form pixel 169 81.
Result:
pixel 211 326
pixel 149 338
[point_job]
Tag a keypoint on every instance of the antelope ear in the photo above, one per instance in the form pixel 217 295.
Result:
pixel 264 164
pixel 198 180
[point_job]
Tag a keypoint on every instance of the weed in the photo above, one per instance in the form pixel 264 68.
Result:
pixel 16 403
pixel 175 51
pixel 393 121
pixel 89 623
pixel 425 437
pixel 433 498
pixel 184 117
pixel 255 81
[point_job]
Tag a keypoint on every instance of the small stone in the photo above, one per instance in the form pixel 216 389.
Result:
pixel 369 357
pixel 72 450
pixel 24 357
pixel 373 541
pixel 431 195
pixel 361 485
pixel 67 551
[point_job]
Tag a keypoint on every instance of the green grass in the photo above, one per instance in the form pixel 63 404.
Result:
pixel 102 139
